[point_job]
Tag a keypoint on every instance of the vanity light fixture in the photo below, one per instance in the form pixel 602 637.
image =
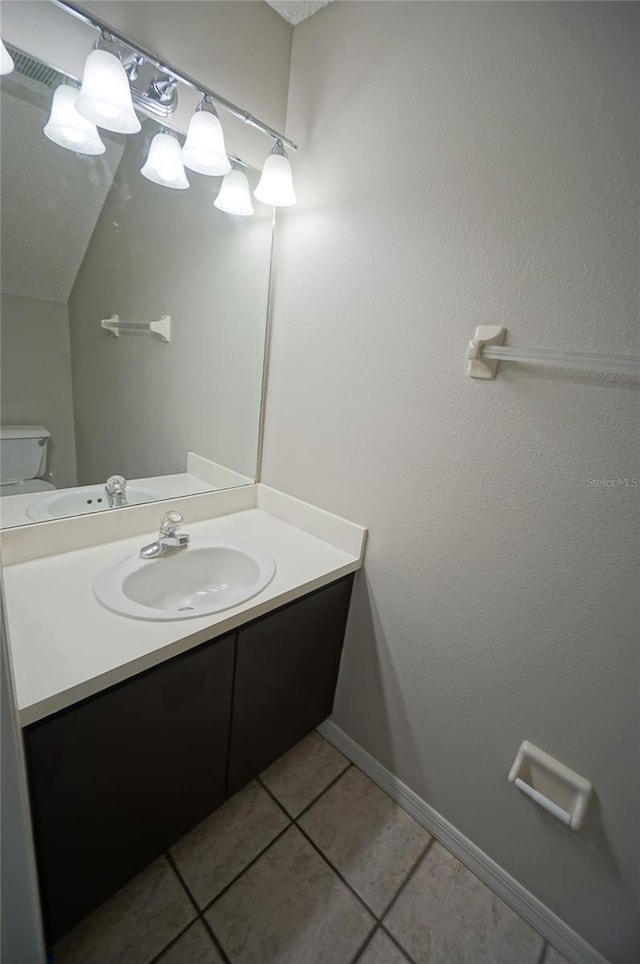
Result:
pixel 69 129
pixel 114 81
pixel 6 60
pixel 105 96
pixel 234 196
pixel 164 163
pixel 204 151
pixel 160 98
pixel 276 183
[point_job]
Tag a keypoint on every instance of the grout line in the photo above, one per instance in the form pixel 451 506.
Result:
pixel 365 944
pixel 200 914
pixel 396 943
pixel 309 805
pixel 174 940
pixel 215 940
pixel 337 872
pixel 411 873
pixel 279 805
pixel 294 822
pixel 174 868
pixel 541 959
pixel 322 792
pixel 245 868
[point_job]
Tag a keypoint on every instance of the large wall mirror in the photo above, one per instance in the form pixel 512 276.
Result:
pixel 88 238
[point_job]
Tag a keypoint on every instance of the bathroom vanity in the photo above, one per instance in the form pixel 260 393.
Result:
pixel 136 730
pixel 120 777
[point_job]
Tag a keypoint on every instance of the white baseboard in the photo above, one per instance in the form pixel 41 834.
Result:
pixel 543 920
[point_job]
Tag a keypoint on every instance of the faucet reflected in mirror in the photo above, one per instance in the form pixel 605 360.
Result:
pixel 84 238
pixel 116 491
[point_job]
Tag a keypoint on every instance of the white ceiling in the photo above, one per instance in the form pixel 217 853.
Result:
pixel 295 11
pixel 51 200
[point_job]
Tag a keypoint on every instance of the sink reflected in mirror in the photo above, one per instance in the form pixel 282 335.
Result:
pixel 207 577
pixel 88 498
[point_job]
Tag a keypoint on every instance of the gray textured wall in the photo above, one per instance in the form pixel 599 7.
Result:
pixel 465 164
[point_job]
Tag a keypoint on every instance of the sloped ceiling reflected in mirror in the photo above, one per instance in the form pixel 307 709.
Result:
pixel 51 202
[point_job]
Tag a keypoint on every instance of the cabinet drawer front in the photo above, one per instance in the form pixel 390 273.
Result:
pixel 117 779
pixel 286 671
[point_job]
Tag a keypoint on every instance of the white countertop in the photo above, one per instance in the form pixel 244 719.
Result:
pixel 65 646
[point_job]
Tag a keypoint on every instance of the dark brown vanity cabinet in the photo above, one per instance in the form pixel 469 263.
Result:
pixel 286 671
pixel 119 778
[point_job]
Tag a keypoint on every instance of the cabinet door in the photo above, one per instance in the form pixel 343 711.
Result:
pixel 120 777
pixel 286 672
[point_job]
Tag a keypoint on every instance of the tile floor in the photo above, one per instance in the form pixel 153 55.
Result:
pixel 310 864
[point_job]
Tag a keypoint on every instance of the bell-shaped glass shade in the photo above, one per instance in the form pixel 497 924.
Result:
pixel 234 197
pixel 67 128
pixel 164 163
pixel 105 96
pixel 6 60
pixel 204 150
pixel 276 183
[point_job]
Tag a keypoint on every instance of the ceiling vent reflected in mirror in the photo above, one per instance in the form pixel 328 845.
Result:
pixel 32 69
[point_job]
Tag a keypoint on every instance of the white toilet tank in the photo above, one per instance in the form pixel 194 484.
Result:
pixel 23 452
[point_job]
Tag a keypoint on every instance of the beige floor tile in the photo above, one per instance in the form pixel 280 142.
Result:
pixel 368 838
pixel 194 947
pixel 304 772
pixel 382 950
pixel 134 925
pixel 289 907
pixel 553 957
pixel 219 848
pixel 445 915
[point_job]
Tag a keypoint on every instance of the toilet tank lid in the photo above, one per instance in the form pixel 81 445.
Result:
pixel 24 431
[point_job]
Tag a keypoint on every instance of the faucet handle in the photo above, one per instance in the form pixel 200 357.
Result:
pixel 170 523
pixel 116 485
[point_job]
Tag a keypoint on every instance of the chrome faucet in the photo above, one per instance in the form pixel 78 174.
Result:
pixel 168 540
pixel 116 491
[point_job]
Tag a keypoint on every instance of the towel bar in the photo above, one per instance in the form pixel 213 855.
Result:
pixel 162 327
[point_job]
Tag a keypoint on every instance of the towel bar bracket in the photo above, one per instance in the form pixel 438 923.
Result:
pixel 485 335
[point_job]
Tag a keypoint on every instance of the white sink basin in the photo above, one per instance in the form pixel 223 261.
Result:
pixel 208 576
pixel 86 498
